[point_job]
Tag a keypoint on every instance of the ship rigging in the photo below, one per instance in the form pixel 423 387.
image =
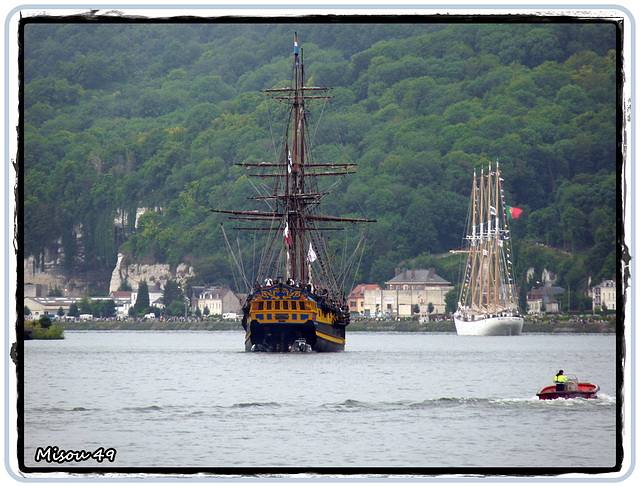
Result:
pixel 297 301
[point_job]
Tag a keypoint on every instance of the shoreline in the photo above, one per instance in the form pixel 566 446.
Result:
pixel 372 326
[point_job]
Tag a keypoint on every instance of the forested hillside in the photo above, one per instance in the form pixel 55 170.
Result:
pixel 119 116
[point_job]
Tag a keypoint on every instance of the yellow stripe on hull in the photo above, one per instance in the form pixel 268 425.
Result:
pixel 330 338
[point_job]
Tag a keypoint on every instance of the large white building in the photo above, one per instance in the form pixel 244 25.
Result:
pixel 604 294
pixel 217 300
pixel 410 292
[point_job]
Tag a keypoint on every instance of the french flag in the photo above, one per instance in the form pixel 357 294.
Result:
pixel 295 44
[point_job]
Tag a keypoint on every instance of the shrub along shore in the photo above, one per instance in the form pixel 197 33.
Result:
pixel 35 331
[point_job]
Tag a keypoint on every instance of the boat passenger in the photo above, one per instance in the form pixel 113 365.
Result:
pixel 560 380
pixel 268 281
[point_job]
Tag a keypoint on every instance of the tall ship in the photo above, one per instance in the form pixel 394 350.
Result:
pixel 488 302
pixel 297 301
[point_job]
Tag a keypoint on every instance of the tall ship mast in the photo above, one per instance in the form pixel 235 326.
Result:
pixel 297 302
pixel 488 302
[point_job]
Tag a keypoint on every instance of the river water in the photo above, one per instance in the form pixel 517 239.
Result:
pixel 414 401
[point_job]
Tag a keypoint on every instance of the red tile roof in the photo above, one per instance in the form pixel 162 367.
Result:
pixel 358 291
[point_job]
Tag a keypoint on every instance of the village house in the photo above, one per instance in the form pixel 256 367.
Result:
pixel 410 292
pixel 41 306
pixel 124 302
pixel 543 300
pixel 357 299
pixel 604 295
pixel 48 305
pixel 218 300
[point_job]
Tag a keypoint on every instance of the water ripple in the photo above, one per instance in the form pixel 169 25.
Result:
pixel 256 405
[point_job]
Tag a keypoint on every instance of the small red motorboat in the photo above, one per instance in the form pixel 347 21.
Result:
pixel 570 390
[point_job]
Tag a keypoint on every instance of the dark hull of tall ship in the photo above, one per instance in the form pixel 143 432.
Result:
pixel 287 337
pixel 284 318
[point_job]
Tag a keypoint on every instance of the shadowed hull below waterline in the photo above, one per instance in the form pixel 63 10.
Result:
pixel 287 337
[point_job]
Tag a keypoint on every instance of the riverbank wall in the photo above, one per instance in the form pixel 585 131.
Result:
pixel 538 326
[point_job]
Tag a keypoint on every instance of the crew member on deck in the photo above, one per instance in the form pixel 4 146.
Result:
pixel 560 380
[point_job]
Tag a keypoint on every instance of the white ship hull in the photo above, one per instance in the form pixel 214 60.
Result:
pixel 490 326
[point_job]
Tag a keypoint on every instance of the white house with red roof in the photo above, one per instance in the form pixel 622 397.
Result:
pixel 357 299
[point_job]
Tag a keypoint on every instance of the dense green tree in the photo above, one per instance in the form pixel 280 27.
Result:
pixel 176 308
pixel 45 322
pixel 85 305
pixel 103 308
pixel 142 301
pixel 451 299
pixel 109 308
pixel 172 292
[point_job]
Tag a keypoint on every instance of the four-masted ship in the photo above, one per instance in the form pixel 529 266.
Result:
pixel 297 302
pixel 488 302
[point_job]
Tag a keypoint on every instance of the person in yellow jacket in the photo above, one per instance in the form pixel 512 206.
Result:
pixel 559 379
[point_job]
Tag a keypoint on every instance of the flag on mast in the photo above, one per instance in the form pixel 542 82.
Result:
pixel 513 212
pixel 286 232
pixel 311 254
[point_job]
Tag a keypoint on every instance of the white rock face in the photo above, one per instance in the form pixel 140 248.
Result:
pixel 116 279
pixel 156 275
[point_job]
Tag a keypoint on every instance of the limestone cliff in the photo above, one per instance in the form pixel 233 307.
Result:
pixel 156 275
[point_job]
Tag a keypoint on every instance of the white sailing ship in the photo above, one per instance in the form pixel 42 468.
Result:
pixel 488 302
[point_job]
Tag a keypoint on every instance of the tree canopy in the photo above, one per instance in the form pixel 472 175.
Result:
pixel 129 115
